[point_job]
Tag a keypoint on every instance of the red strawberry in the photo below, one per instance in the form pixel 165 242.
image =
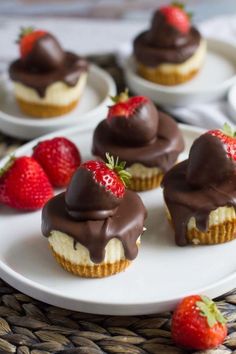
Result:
pixel 176 17
pixel 198 324
pixel 27 39
pixel 59 158
pixel 125 106
pixel 24 185
pixel 111 175
pixel 228 137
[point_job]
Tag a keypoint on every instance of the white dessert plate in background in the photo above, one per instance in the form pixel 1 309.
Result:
pixel 213 81
pixel 91 108
pixel 161 275
pixel 232 102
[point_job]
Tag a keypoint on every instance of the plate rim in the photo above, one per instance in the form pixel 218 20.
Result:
pixel 47 294
pixel 51 122
pixel 130 70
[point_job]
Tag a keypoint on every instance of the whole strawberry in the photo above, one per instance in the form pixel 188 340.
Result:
pixel 24 185
pixel 133 120
pixel 96 189
pixel 59 158
pixel 28 38
pixel 228 137
pixel 39 50
pixel 176 17
pixel 198 324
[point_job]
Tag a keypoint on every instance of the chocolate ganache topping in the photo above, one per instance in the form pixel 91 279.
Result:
pixel 163 43
pixel 46 64
pixel 152 139
pixel 199 185
pixel 93 217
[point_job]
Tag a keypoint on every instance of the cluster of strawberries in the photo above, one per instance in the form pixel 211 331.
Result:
pixel 26 182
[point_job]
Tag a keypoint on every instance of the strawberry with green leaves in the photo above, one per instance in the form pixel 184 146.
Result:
pixel 24 185
pixel 228 138
pixel 176 17
pixel 96 189
pixel 28 38
pixel 198 324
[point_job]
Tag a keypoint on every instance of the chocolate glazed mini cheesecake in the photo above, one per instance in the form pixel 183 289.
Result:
pixel 48 81
pixel 148 140
pixel 200 193
pixel 171 51
pixel 94 229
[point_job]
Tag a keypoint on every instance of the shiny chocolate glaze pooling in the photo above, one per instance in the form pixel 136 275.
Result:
pixel 162 151
pixel 126 225
pixel 199 185
pixel 164 44
pixel 46 64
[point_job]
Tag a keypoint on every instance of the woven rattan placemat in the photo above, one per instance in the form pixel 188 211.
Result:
pixel 30 326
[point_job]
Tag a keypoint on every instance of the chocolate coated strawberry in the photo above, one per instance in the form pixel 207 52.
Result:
pixel 133 120
pixel 96 189
pixel 40 50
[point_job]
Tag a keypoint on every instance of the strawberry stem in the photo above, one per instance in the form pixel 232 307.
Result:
pixel 228 130
pixel 24 31
pixel 209 310
pixel 122 97
pixel 181 6
pixel 119 168
pixel 7 165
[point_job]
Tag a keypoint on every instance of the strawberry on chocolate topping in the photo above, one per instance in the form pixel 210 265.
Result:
pixel 176 17
pixel 133 120
pixel 228 138
pixel 96 189
pixel 39 50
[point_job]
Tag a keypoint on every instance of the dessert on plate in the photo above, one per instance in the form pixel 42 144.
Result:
pixel 200 192
pixel 136 132
pixel 172 51
pixel 48 81
pixel 94 228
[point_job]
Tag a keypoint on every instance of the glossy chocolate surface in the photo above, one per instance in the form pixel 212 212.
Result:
pixel 87 200
pixel 138 129
pixel 126 225
pixel 46 64
pixel 164 44
pixel 213 186
pixel 162 151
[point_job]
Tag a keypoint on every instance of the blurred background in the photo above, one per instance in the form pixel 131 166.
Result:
pixel 116 9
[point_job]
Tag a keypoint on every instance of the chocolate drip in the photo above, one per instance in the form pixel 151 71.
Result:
pixel 215 189
pixel 69 73
pixel 138 129
pixel 161 152
pixel 87 200
pixel 162 43
pixel 126 225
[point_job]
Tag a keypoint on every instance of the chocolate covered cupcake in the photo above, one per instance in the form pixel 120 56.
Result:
pixel 200 193
pixel 94 229
pixel 171 51
pixel 147 139
pixel 48 81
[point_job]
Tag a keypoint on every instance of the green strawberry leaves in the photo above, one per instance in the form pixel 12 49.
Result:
pixel 7 165
pixel 209 310
pixel 122 97
pixel 24 31
pixel 119 168
pixel 228 130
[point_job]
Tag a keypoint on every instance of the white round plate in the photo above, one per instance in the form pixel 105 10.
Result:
pixel 161 275
pixel 91 108
pixel 232 102
pixel 212 82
